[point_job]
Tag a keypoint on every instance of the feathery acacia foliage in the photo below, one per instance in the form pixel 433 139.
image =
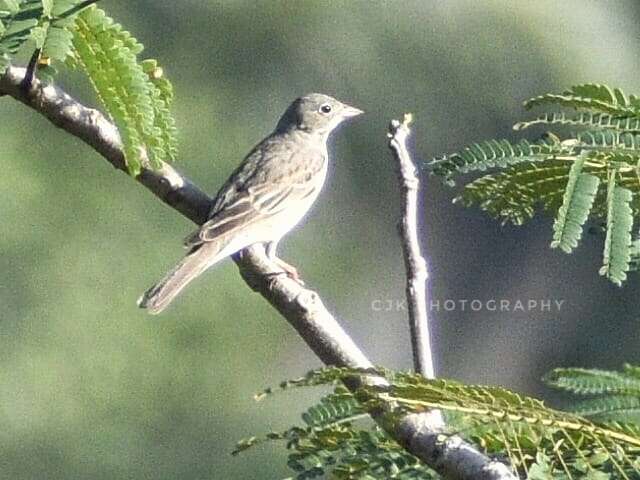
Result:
pixel 592 173
pixel 609 396
pixel 138 104
pixel 135 93
pixel 536 441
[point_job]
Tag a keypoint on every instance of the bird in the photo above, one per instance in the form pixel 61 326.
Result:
pixel 264 198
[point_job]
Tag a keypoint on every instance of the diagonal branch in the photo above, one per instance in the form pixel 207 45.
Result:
pixel 301 307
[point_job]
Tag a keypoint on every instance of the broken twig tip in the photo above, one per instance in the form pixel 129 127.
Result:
pixel 396 125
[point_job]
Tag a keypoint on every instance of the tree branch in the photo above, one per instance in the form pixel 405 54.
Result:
pixel 413 260
pixel 302 308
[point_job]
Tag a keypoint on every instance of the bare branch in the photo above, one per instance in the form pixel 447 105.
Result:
pixel 413 260
pixel 302 308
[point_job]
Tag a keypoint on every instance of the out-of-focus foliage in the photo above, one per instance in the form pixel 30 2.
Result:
pixel 610 396
pixel 565 175
pixel 538 442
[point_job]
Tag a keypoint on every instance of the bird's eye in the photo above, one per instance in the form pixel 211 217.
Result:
pixel 326 108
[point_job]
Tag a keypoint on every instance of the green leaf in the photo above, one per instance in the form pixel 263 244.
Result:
pixel 596 475
pixel 495 154
pixel 634 255
pixel 8 7
pixel 577 202
pixel 611 408
pixel 512 194
pixel 594 97
pixel 58 44
pixel 17 26
pixel 584 119
pixel 582 381
pixel 47 7
pixel 612 396
pixel 617 245
pixel 162 97
pixel 65 9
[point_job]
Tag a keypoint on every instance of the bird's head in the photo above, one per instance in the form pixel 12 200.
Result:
pixel 316 113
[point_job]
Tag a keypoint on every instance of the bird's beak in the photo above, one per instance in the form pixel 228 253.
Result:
pixel 349 111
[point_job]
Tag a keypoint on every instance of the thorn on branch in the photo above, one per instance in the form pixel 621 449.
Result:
pixel 27 81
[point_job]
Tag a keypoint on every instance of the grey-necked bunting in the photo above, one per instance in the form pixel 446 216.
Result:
pixel 265 197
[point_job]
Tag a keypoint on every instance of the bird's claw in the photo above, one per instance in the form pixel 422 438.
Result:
pixel 288 270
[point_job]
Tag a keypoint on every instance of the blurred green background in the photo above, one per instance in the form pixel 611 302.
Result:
pixel 91 387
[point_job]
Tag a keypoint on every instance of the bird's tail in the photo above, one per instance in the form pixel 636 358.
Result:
pixel 158 297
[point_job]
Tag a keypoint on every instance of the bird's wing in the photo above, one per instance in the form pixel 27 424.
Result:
pixel 251 206
pixel 254 201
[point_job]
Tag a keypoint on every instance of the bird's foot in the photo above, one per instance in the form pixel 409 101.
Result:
pixel 289 270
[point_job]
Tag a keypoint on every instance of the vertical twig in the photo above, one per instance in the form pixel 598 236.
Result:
pixel 414 261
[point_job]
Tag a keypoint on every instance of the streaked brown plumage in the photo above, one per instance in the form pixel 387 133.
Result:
pixel 265 197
